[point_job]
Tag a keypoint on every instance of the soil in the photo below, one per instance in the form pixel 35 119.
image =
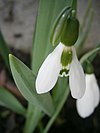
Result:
pixel 68 122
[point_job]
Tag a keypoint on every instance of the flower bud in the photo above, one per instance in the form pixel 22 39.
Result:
pixel 70 32
pixel 88 67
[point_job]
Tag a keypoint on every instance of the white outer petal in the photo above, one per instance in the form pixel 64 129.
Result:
pixel 49 71
pixel 76 77
pixel 85 105
pixel 94 89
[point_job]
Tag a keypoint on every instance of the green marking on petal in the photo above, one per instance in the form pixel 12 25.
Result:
pixel 63 73
pixel 66 57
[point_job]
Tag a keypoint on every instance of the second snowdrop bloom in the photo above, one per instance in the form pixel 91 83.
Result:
pixel 62 61
pixel 87 104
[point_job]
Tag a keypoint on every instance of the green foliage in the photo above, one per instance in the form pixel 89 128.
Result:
pixel 60 95
pixel 90 55
pixel 33 116
pixel 4 50
pixel 87 59
pixel 8 100
pixel 25 81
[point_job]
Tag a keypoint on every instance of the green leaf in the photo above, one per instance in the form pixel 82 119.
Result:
pixel 8 100
pixel 47 13
pixel 4 50
pixel 90 55
pixel 25 82
pixel 32 118
pixel 60 98
pixel 59 90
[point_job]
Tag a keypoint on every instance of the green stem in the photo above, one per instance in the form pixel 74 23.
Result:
pixel 32 118
pixel 53 118
pixel 40 127
pixel 74 5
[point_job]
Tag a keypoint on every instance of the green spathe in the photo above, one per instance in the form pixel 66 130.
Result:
pixel 58 25
pixel 70 32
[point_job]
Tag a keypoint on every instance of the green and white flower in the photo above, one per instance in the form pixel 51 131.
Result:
pixel 62 61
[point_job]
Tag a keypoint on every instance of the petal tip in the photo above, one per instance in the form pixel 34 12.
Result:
pixel 39 90
pixel 83 110
pixel 77 96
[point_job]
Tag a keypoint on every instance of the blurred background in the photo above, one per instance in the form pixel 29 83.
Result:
pixel 17 22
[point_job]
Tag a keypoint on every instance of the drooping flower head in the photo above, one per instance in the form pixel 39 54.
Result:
pixel 63 61
pixel 52 67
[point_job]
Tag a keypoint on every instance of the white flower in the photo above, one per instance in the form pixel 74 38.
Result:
pixel 87 104
pixel 49 72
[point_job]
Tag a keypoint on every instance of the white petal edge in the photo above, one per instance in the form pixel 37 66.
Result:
pixel 85 105
pixel 49 71
pixel 76 77
pixel 94 88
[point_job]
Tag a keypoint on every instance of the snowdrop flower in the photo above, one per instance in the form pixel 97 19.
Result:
pixel 87 104
pixel 62 61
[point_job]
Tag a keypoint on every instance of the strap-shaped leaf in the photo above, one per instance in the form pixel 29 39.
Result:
pixel 4 50
pixel 25 82
pixel 33 117
pixel 90 55
pixel 59 90
pixel 60 96
pixel 8 100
